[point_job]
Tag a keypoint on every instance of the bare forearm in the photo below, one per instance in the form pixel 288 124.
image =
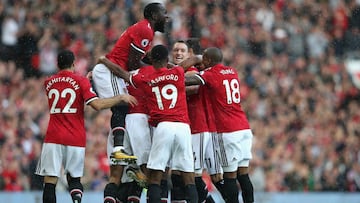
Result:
pixel 187 63
pixel 116 69
pixel 192 80
pixel 104 103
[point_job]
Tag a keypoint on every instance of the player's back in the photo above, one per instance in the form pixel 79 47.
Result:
pixel 138 93
pixel 67 93
pixel 166 95
pixel 139 36
pixel 224 85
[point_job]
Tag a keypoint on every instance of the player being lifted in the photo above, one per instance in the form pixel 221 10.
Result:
pixel 127 53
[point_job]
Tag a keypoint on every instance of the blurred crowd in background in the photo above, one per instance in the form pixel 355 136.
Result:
pixel 302 105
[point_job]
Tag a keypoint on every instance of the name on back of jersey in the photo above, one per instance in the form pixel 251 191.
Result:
pixel 227 71
pixel 69 80
pixel 164 78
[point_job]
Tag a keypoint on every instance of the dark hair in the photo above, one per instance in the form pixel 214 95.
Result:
pixel 215 54
pixel 194 44
pixel 180 41
pixel 65 59
pixel 159 53
pixel 150 9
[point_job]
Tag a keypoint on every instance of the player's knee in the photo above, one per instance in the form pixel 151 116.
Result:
pixel 216 177
pixel 242 170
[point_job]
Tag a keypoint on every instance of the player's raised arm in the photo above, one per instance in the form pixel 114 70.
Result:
pixel 194 79
pixel 116 69
pixel 191 61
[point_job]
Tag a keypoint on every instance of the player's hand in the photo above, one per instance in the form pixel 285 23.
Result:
pixel 128 99
pixel 192 61
pixel 89 75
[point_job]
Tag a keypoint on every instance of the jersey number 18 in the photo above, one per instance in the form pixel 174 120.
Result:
pixel 232 91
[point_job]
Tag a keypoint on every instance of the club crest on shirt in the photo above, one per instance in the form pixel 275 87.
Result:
pixel 145 42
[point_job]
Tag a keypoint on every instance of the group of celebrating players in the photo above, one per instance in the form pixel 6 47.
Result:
pixel 181 118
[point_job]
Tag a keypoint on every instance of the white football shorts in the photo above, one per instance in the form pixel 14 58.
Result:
pixel 106 83
pixel 53 156
pixel 235 149
pixel 171 141
pixel 138 129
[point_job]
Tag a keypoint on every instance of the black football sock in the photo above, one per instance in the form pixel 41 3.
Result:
pixel 123 192
pixel 110 193
pixel 201 189
pixel 231 190
pixel 246 188
pixel 118 123
pixel 178 188
pixel 191 193
pixel 220 187
pixel 49 193
pixel 164 190
pixel 154 193
pixel 75 189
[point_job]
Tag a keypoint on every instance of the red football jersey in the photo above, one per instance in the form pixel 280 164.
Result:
pixel 208 109
pixel 224 88
pixel 138 93
pixel 138 36
pixel 196 108
pixel 67 92
pixel 165 92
